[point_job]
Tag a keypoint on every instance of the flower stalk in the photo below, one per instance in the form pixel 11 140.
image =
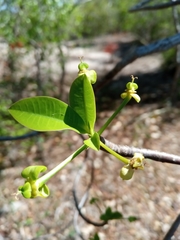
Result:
pixel 130 92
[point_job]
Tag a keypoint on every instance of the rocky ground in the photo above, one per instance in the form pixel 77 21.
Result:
pixel 153 195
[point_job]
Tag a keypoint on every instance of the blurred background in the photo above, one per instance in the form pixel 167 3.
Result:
pixel 41 44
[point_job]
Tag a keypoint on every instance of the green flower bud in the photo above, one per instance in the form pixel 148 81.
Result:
pixel 32 172
pixel 92 76
pixel 137 162
pixel 124 95
pixel 131 91
pixel 126 172
pixel 33 187
pixel 131 86
pixel 25 190
pixel 136 97
pixel 83 66
pixel 32 190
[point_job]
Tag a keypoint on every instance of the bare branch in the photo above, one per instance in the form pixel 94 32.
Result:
pixel 172 229
pixel 137 52
pixel 24 136
pixel 81 203
pixel 157 156
pixel 142 6
pixel 174 93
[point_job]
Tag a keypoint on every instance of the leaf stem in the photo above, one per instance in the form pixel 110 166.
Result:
pixel 51 173
pixel 119 157
pixel 123 104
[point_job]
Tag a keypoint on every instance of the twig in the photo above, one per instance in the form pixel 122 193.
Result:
pixel 62 62
pixel 172 229
pixel 37 57
pixel 174 92
pixel 137 52
pixel 80 204
pixel 127 151
pixel 142 6
pixel 24 136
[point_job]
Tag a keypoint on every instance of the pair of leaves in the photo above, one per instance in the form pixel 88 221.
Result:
pixel 109 215
pixel 82 100
pixel 50 114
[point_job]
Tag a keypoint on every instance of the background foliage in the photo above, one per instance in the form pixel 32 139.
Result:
pixel 48 21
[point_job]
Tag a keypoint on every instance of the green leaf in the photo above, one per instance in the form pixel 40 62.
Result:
pixel 93 142
pixel 132 218
pixel 47 114
pixel 82 100
pixel 83 66
pixel 93 200
pixel 109 215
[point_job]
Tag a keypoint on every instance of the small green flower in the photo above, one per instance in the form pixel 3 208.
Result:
pixel 136 162
pixel 126 172
pixel 90 74
pixel 33 187
pixel 130 91
pixel 83 66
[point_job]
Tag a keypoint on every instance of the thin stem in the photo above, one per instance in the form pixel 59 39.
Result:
pixel 119 157
pixel 141 6
pixel 51 173
pixel 123 104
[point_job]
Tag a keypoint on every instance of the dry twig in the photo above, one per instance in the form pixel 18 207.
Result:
pixel 142 6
